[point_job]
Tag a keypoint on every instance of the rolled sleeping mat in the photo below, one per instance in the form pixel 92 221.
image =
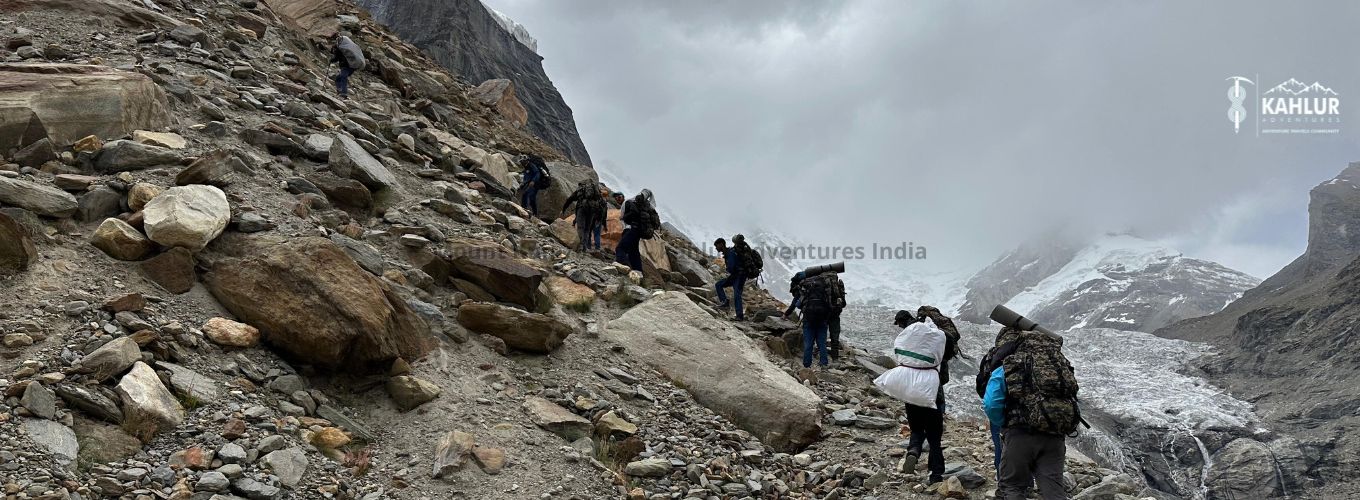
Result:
pixel 838 267
pixel 1005 316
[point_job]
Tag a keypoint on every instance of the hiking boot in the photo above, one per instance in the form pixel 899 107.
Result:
pixel 908 464
pixel 933 480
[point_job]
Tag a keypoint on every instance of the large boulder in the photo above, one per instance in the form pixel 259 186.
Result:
pixel 522 330
pixel 723 369
pixel 125 155
pixel 121 241
pixel 65 103
pixel 312 301
pixel 17 252
pixel 315 17
pixel 695 274
pixel 1245 468
pixel 348 159
pixel 40 199
pixel 499 94
pixel 565 178
pixel 494 269
pixel 187 216
pixel 148 407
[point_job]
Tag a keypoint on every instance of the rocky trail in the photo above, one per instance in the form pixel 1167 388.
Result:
pixel 219 280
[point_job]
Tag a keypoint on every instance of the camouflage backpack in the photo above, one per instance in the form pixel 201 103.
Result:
pixel 816 297
pixel 1041 387
pixel 1006 342
pixel 944 322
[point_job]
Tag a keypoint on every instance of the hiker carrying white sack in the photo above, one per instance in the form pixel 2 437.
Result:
pixel 919 350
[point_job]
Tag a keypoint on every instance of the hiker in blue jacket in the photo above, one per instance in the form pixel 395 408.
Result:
pixel 533 174
pixel 735 278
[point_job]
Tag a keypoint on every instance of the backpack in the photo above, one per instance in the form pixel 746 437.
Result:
pixel 1041 387
pixel 751 262
pixel 544 180
pixel 816 297
pixel 354 56
pixel 837 293
pixel 946 324
pixel 1006 342
pixel 590 206
pixel 650 222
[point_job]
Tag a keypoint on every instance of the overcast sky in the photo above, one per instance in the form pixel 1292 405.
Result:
pixel 961 126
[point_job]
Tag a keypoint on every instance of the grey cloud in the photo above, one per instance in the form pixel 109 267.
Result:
pixel 959 125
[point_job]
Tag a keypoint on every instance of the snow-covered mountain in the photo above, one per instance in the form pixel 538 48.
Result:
pixel 1116 281
pixel 515 29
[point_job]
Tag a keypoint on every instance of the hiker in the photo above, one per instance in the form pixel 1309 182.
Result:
pixel 1001 348
pixel 591 212
pixel 734 279
pixel 833 323
pixel 1032 396
pixel 923 346
pixel 951 346
pixel 349 56
pixel 816 300
pixel 535 178
pixel 642 222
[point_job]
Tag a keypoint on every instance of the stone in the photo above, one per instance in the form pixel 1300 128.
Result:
pixel 160 139
pixel 148 407
pixel 521 330
pixel 211 169
pixel 91 400
pixel 727 372
pixel 190 384
pixel 318 147
pixel 88 144
pixel 611 425
pixel 565 232
pixel 970 479
pixel 496 270
pixel 212 481
pixel 17 340
pixel 40 401
pixel 556 419
pixel 570 293
pixel 349 159
pixel 17 251
pixel 364 254
pixel 121 241
pixel 125 302
pixel 74 182
pixel 255 490
pixel 189 34
pixel 140 194
pixel 173 270
pixel 312 301
pixel 36 154
pixel 103 443
pixel 99 203
pixel 223 331
pixel 1242 469
pixel 315 17
pixel 251 222
pixel 844 417
pixel 329 438
pixel 451 453
pixel 187 216
pixel 499 94
pixel 289 465
pixel 57 440
pixel 409 392
pixel 231 453
pixel 491 460
pixel 40 199
pixel 66 102
pixel 343 192
pixel 650 467
pixel 125 155
pixel 111 359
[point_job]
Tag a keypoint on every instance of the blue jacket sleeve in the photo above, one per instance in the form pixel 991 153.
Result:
pixel 732 261
pixel 994 401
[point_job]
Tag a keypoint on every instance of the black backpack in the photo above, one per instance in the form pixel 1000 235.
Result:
pixel 816 297
pixel 591 206
pixel 544 180
pixel 1041 386
pixel 752 264
pixel 837 292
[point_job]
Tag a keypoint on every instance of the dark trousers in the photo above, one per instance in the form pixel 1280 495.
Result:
pixel 927 425
pixel 529 200
pixel 1030 457
pixel 833 325
pixel 996 449
pixel 737 282
pixel 814 332
pixel 628 251
pixel 342 81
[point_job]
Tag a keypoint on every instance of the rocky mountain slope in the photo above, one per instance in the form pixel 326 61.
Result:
pixel 466 37
pixel 1289 345
pixel 1116 281
pixel 221 281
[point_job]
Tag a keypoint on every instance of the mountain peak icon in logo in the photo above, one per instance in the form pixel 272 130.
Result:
pixel 1295 87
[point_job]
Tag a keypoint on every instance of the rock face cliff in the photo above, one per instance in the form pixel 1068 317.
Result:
pixel 471 41
pixel 1290 344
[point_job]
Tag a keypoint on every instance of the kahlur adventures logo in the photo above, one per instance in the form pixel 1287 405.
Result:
pixel 1292 107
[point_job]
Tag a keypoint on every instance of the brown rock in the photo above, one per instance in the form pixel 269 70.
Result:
pixel 192 458
pixel 223 331
pixel 409 392
pixel 525 331
pixel 89 144
pixel 234 428
pixel 173 270
pixel 499 94
pixel 211 169
pixel 17 252
pixel 492 460
pixel 312 301
pixel 570 293
pixel 126 302
pixel 65 102
pixel 496 270
pixel 451 452
pixel 329 438
pixel 556 419
pixel 140 194
pixel 74 182
pixel 343 192
pixel 121 241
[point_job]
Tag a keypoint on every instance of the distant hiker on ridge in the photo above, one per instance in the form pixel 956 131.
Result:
pixel 535 178
pixel 743 263
pixel 642 222
pixel 833 323
pixel 350 57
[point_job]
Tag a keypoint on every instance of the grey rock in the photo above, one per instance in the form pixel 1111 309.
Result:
pixel 90 400
pixel 40 400
pixel 650 467
pixel 255 490
pixel 251 222
pixel 187 382
pixel 212 481
pixel 124 155
pixel 290 465
pixel 40 199
pixel 349 159
pixel 288 384
pixel 844 417
pixel 231 453
pixel 111 359
pixel 99 203
pixel 59 440
pixel 364 254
